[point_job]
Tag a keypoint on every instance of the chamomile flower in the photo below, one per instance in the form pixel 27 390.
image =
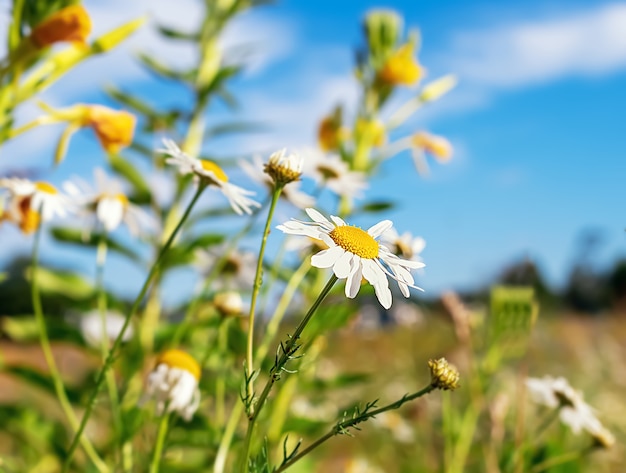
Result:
pixel 212 174
pixel 94 330
pixel 405 245
pixel 290 193
pixel 30 202
pixel 557 393
pixel 237 271
pixel 173 384
pixel 354 254
pixel 108 203
pixel 330 171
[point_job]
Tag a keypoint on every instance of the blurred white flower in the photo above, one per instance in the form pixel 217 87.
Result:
pixel 212 174
pixel 228 303
pixel 173 384
pixel 238 270
pixel 31 202
pixel 108 203
pixel 290 193
pixel 405 245
pixel 330 171
pixel 399 427
pixel 355 254
pixel 93 329
pixel 557 393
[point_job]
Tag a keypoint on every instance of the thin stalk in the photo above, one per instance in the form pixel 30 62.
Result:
pixel 118 341
pixel 554 461
pixel 101 254
pixel 255 293
pixel 52 366
pixel 288 350
pixel 220 382
pixel 342 427
pixel 160 443
pixel 227 438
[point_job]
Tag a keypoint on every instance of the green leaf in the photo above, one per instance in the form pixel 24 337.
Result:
pixel 64 283
pixel 374 207
pixel 161 69
pixel 183 252
pixel 178 34
pixel 131 102
pixel 235 127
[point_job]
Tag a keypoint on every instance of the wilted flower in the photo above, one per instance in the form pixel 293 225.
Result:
pixel 290 193
pixel 94 330
pixel 173 384
pixel 108 203
pixel 401 67
pixel 330 133
pixel 438 146
pixel 558 394
pixel 355 254
pixel 212 174
pixel 67 24
pixel 284 168
pixel 443 375
pixel 31 202
pixel 332 172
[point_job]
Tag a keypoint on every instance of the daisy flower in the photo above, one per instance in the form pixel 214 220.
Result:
pixel 354 254
pixel 173 384
pixel 108 203
pixel 211 174
pixel 237 271
pixel 290 193
pixel 557 393
pixel 329 170
pixel 31 202
pixel 405 245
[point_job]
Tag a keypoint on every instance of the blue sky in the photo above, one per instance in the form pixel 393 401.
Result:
pixel 536 121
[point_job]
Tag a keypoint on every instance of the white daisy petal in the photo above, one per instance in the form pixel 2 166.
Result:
pixel 316 216
pixel 341 268
pixel 353 282
pixel 326 258
pixel 110 212
pixel 338 221
pixel 380 228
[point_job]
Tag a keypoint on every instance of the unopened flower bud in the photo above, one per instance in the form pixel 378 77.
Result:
pixel 284 169
pixel 443 375
pixel 382 29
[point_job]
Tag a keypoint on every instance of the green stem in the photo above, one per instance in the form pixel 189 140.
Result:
pixel 118 341
pixel 287 352
pixel 160 443
pixel 255 292
pixel 342 427
pixel 227 438
pixel 52 366
pixel 101 254
pixel 220 382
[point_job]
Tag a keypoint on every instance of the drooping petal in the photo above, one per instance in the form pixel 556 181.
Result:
pixel 341 268
pixel 353 282
pixel 110 212
pixel 327 258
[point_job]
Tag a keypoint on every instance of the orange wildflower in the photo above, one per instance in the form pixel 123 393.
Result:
pixel 438 146
pixel 68 24
pixel 401 68
pixel 330 133
pixel 114 128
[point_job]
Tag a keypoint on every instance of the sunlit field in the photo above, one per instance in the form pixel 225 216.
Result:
pixel 187 287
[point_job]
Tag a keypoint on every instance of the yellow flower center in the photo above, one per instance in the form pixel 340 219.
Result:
pixel 180 359
pixel 328 172
pixel 122 199
pixel 215 169
pixel 356 241
pixel 401 67
pixel 42 186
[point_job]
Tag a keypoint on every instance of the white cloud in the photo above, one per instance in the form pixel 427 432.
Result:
pixel 585 43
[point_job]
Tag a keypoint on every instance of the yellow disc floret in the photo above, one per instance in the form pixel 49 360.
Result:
pixel 42 186
pixel 356 241
pixel 180 359
pixel 210 166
